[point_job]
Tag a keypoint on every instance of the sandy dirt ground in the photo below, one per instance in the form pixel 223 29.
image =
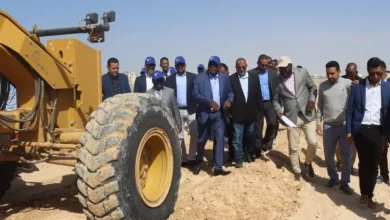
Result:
pixel 261 190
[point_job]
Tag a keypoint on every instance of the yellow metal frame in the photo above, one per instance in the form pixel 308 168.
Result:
pixel 154 167
pixel 70 68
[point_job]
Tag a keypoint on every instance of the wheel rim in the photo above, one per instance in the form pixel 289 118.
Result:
pixel 154 167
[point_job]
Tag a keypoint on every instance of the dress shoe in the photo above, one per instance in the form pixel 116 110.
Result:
pixel 196 169
pixel 332 183
pixel 221 172
pixel 239 165
pixel 371 204
pixel 248 158
pixel 309 172
pixel 346 189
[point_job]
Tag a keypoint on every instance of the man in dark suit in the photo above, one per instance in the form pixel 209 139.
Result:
pixel 212 90
pixel 144 82
pixel 182 82
pixel 266 77
pixel 367 124
pixel 245 108
pixel 113 82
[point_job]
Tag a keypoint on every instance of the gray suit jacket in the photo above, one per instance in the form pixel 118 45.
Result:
pixel 168 100
pixel 305 91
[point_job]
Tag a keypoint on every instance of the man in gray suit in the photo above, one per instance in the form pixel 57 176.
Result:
pixel 297 93
pixel 166 95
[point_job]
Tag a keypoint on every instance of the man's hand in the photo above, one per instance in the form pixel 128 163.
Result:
pixel 319 130
pixel 179 128
pixel 349 138
pixel 355 81
pixel 214 105
pixel 227 104
pixel 310 105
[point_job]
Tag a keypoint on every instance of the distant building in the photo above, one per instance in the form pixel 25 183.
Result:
pixel 131 76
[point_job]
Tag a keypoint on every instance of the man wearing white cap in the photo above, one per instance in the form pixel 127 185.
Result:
pixel 297 93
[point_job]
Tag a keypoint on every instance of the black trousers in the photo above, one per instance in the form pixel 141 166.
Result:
pixel 383 165
pixel 368 141
pixel 270 115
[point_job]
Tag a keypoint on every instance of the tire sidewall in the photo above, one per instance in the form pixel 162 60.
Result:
pixel 129 198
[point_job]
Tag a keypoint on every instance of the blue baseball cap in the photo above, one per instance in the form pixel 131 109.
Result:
pixel 158 75
pixel 200 66
pixel 150 61
pixel 180 59
pixel 172 69
pixel 143 70
pixel 215 59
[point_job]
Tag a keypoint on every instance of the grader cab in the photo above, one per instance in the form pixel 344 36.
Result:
pixel 125 150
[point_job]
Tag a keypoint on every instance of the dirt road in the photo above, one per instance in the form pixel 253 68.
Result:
pixel 261 190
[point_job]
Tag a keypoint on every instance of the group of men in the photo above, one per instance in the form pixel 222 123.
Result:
pixel 351 112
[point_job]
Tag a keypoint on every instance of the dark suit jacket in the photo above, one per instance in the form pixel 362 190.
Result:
pixel 171 83
pixel 203 95
pixel 356 107
pixel 140 84
pixel 246 110
pixel 107 85
pixel 272 74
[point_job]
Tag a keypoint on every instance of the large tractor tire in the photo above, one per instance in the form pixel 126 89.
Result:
pixel 129 161
pixel 7 173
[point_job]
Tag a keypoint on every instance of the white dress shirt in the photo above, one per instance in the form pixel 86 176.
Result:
pixel 372 114
pixel 149 82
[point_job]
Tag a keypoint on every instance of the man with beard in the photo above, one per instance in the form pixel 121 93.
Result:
pixel 297 93
pixel 331 105
pixel 182 82
pixel 113 82
pixel 367 126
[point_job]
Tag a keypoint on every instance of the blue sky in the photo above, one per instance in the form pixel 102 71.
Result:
pixel 310 32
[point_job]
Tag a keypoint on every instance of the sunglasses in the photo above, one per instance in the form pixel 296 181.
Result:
pixel 375 73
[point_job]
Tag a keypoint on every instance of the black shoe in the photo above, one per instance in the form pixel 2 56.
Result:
pixel 258 153
pixel 309 172
pixel 248 158
pixel 196 169
pixel 346 189
pixel 221 172
pixel 268 146
pixel 297 176
pixel 239 165
pixel 332 183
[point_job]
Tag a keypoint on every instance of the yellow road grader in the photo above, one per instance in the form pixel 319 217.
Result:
pixel 125 150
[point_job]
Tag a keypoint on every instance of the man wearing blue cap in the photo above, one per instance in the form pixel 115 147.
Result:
pixel 182 82
pixel 142 71
pixel 200 68
pixel 113 82
pixel 144 82
pixel 166 95
pixel 212 90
